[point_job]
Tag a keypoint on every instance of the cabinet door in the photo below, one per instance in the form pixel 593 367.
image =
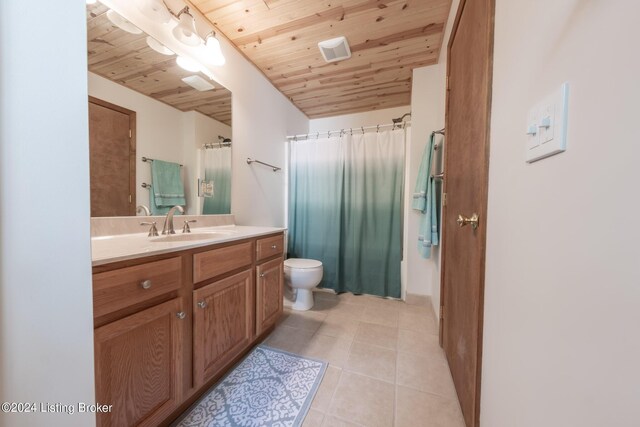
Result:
pixel 223 323
pixel 138 366
pixel 270 280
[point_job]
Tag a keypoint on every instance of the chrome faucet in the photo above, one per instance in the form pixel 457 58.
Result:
pixel 144 209
pixel 167 228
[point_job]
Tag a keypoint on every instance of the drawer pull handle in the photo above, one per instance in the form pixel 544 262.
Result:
pixel 145 284
pixel 202 304
pixel 274 246
pixel 181 315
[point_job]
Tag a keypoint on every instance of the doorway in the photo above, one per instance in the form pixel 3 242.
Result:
pixel 469 77
pixel 112 148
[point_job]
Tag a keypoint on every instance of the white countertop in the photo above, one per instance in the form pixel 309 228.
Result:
pixel 108 249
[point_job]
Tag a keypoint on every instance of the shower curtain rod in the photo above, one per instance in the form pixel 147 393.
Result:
pixel 210 145
pixel 350 130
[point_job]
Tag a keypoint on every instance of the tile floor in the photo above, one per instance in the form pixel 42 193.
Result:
pixel 385 365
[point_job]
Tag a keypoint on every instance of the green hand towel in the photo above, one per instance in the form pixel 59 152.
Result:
pixel 419 201
pixel 167 188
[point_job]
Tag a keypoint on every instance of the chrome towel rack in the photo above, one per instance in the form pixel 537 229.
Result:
pixel 149 160
pixel 437 132
pixel 275 168
pixel 438 176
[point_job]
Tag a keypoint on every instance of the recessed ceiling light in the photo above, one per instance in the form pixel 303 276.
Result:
pixel 159 47
pixel 122 23
pixel 335 49
pixel 188 64
pixel 198 83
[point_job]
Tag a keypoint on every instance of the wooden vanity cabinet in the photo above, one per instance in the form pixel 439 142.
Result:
pixel 269 289
pixel 223 314
pixel 167 327
pixel 138 366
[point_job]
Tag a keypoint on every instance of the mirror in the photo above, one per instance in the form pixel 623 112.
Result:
pixel 149 117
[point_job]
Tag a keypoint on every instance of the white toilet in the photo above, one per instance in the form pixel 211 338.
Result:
pixel 303 275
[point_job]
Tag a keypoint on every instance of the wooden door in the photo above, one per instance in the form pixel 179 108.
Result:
pixel 138 363
pixel 112 159
pixel 223 323
pixel 469 76
pixel 270 281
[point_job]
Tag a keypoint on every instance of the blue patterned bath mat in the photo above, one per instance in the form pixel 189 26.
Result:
pixel 268 388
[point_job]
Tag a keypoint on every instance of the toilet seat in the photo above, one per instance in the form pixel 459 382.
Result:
pixel 301 263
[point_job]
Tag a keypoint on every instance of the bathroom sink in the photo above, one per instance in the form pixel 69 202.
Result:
pixel 188 237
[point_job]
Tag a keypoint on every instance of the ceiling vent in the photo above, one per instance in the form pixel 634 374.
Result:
pixel 335 49
pixel 198 83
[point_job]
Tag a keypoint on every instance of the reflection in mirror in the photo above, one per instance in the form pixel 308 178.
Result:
pixel 144 105
pixel 217 171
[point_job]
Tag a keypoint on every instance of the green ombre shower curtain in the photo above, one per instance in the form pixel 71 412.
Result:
pixel 217 168
pixel 345 209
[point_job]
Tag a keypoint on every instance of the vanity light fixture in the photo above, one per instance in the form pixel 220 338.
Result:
pixel 159 47
pixel 122 23
pixel 185 32
pixel 213 49
pixel 155 9
pixel 188 64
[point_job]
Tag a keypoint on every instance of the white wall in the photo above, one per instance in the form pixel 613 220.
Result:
pixel 262 118
pixel 561 344
pixel 427 104
pixel 428 98
pixel 46 316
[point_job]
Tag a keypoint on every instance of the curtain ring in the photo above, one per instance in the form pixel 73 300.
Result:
pixel 378 129
pixel 318 135
pixel 362 127
pixel 328 134
pixel 351 131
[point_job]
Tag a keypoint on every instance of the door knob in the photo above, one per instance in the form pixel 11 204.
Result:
pixel 462 221
pixel 202 304
pixel 181 315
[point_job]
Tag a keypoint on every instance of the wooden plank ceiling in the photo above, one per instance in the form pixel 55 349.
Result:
pixel 127 59
pixel 388 38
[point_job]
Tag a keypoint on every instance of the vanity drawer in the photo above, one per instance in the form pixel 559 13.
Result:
pixel 219 261
pixel 269 246
pixel 117 289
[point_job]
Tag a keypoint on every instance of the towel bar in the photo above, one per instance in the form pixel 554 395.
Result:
pixel 275 168
pixel 145 185
pixel 149 160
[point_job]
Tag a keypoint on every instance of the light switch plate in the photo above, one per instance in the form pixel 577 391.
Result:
pixel 552 139
pixel 533 132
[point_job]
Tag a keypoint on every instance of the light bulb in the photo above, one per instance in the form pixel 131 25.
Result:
pixel 122 23
pixel 188 64
pixel 154 9
pixel 214 52
pixel 159 47
pixel 185 31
